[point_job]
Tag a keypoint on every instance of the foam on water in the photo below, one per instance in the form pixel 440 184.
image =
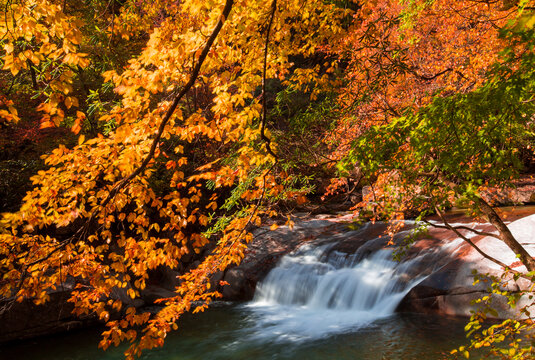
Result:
pixel 316 291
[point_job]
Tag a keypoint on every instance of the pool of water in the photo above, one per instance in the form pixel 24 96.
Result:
pixel 242 332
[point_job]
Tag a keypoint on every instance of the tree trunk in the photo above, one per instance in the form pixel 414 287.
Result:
pixel 505 234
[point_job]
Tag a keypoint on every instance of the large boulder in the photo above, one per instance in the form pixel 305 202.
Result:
pixel 451 289
pixel 26 320
pixel 447 286
pixel 269 246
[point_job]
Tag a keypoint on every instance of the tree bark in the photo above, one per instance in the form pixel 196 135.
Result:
pixel 505 234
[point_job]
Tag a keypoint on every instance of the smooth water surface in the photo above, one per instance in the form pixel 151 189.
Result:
pixel 236 332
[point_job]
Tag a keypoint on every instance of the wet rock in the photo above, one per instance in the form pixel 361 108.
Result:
pixel 26 320
pixel 152 293
pixel 522 194
pixel 216 278
pixel 269 246
pixel 164 277
pixel 239 287
pixel 451 290
pixel 122 294
pixel 448 287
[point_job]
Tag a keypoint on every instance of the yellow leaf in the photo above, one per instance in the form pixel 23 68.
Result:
pixel 9 48
pixel 68 102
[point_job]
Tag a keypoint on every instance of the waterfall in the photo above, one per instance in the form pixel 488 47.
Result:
pixel 316 290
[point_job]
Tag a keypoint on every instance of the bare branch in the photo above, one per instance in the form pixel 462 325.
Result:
pixel 264 72
pixel 477 232
pixel 432 77
pixel 472 244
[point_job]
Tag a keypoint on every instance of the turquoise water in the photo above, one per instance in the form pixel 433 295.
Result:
pixel 232 332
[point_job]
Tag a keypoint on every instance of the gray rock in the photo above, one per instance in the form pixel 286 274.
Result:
pixel 26 320
pixel 239 286
pixel 152 293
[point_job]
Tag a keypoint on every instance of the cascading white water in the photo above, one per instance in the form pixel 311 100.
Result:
pixel 315 290
pixel 311 278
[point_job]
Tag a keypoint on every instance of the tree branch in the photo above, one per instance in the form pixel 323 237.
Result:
pixel 472 244
pixel 432 77
pixel 482 233
pixel 194 75
pixel 505 234
pixel 84 229
pixel 264 72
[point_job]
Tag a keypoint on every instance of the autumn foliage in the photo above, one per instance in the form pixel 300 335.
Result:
pixel 95 219
pixel 175 150
pixel 403 54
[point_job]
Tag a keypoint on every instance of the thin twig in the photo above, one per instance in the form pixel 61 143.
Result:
pixel 477 232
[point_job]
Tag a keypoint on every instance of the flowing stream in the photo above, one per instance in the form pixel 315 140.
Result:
pixel 317 303
pixel 317 291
